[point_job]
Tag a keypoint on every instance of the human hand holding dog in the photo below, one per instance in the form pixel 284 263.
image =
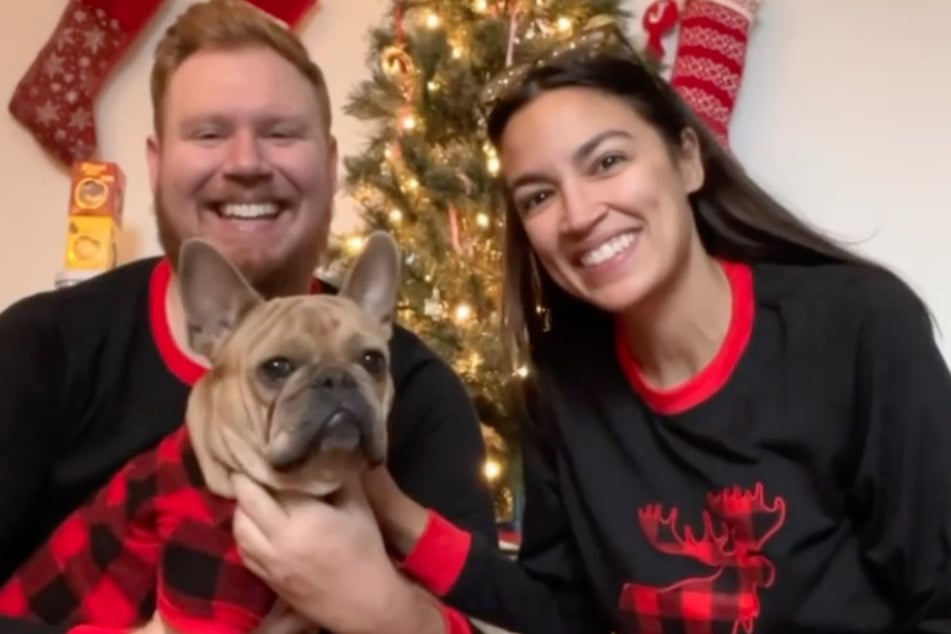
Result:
pixel 401 518
pixel 328 562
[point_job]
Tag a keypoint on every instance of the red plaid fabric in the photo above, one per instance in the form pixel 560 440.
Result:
pixel 736 525
pixel 155 536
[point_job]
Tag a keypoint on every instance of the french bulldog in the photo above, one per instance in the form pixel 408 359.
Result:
pixel 297 397
pixel 299 390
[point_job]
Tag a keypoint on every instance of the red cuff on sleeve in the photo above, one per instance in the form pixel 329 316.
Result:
pixel 98 629
pixel 455 622
pixel 439 556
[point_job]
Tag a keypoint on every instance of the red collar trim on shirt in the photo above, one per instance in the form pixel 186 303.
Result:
pixel 178 363
pixel 714 376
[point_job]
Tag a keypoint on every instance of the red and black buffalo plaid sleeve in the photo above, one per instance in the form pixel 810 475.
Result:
pixel 203 586
pixel 153 537
pixel 99 566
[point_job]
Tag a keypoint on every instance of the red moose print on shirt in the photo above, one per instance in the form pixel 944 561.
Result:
pixel 736 525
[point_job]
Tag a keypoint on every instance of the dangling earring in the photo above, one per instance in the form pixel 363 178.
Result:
pixel 541 307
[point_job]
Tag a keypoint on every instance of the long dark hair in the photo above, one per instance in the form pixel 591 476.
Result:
pixel 736 219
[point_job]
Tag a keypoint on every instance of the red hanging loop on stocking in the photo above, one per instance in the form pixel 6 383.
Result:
pixel 659 19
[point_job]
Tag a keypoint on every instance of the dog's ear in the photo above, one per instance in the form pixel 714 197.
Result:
pixel 215 296
pixel 373 281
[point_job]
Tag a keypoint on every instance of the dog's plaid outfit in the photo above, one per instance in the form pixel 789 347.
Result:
pixel 155 536
pixel 116 327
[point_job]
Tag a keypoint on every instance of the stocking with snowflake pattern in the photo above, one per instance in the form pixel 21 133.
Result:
pixel 55 99
pixel 711 56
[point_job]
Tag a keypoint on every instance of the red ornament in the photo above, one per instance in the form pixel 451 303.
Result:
pixel 454 232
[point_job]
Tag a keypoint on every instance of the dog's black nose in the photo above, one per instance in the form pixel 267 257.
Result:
pixel 334 380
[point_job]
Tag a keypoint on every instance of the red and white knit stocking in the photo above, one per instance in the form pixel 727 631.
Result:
pixel 55 99
pixel 711 56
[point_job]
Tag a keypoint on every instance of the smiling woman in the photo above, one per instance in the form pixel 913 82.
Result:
pixel 619 118
pixel 734 422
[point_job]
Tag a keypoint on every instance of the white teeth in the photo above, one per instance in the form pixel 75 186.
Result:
pixel 608 250
pixel 249 210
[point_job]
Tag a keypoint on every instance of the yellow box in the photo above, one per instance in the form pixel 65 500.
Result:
pixel 96 189
pixel 91 243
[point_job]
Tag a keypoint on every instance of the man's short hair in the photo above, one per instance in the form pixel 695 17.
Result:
pixel 228 25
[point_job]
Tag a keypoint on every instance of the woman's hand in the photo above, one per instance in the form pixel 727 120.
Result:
pixel 328 562
pixel 401 518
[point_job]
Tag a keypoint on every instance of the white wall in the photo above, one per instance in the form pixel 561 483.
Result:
pixel 840 115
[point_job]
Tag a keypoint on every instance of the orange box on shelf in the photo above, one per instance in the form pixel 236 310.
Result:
pixel 97 188
pixel 91 243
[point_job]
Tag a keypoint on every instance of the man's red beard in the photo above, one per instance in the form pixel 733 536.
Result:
pixel 270 278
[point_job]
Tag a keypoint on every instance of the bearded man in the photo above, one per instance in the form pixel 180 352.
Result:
pixel 243 156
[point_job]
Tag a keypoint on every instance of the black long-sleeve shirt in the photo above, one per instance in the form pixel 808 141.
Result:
pixel 799 483
pixel 92 378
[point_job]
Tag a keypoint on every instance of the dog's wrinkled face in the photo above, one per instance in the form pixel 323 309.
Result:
pixel 326 397
pixel 299 390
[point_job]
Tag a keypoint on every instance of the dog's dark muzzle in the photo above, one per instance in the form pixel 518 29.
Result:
pixel 339 418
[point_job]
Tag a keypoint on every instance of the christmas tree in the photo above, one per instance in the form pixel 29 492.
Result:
pixel 427 176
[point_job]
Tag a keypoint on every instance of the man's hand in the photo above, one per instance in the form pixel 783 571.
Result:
pixel 328 562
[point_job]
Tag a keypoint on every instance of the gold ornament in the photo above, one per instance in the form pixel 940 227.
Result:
pixel 395 61
pixel 398 66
